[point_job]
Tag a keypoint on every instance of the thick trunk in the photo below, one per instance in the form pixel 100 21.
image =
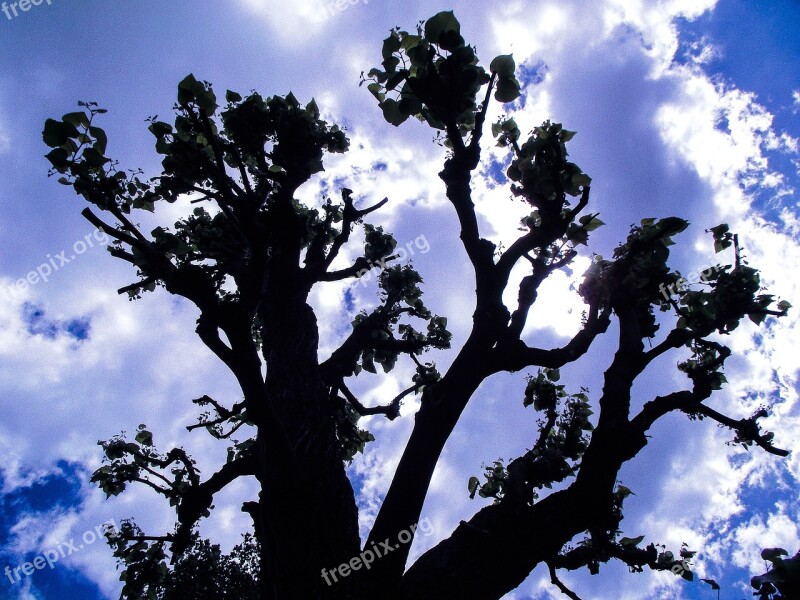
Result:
pixel 308 511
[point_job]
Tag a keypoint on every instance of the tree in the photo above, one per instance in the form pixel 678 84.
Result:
pixel 248 257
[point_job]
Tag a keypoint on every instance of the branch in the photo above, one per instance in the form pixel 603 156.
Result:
pixel 691 402
pixel 234 151
pixel 137 285
pixel 163 491
pixel 148 538
pixel 582 203
pixel 746 428
pixel 557 582
pixel 661 405
pixel 198 498
pixel 208 331
pixel 539 237
pixel 528 290
pixel 226 184
pixel 115 210
pixel 391 410
pixel 350 216
pixel 675 339
pixel 111 231
pixel 480 118
pixel 361 264
pixel 517 355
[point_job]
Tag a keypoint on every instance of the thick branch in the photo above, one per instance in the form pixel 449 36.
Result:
pixel 198 498
pixel 517 355
pixel 361 265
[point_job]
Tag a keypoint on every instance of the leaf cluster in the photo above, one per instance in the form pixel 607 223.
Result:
pixel 434 76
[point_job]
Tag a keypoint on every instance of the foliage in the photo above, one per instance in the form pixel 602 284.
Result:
pixel 782 580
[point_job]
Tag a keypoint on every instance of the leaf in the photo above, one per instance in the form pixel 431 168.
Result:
pixel 390 45
pixel 58 158
pixel 93 158
pixel 144 437
pixel 672 225
pixel 56 133
pixel 451 41
pixel 376 90
pixel 206 99
pixel 410 105
pixel 503 65
pixel 714 585
pixel 232 97
pixel 472 486
pixel 392 112
pixel 395 79
pixel 101 140
pixel 626 541
pixel 186 89
pixel 507 90
pixel 771 554
pixel 582 180
pixel 439 24
pixel 590 222
pixel 623 492
pixel 76 118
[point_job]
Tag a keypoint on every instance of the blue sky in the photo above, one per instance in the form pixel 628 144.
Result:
pixel 685 107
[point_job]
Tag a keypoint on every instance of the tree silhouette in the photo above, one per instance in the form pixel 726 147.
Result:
pixel 202 571
pixel 782 579
pixel 248 257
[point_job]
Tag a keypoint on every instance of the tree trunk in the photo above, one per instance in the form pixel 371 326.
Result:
pixel 309 514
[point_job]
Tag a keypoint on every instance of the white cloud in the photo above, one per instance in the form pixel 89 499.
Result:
pixel 298 21
pixel 724 134
pixel 780 530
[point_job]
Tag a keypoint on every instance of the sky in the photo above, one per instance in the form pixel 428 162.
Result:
pixel 682 107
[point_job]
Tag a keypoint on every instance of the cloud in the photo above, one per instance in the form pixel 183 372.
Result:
pixel 300 20
pixel 724 134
